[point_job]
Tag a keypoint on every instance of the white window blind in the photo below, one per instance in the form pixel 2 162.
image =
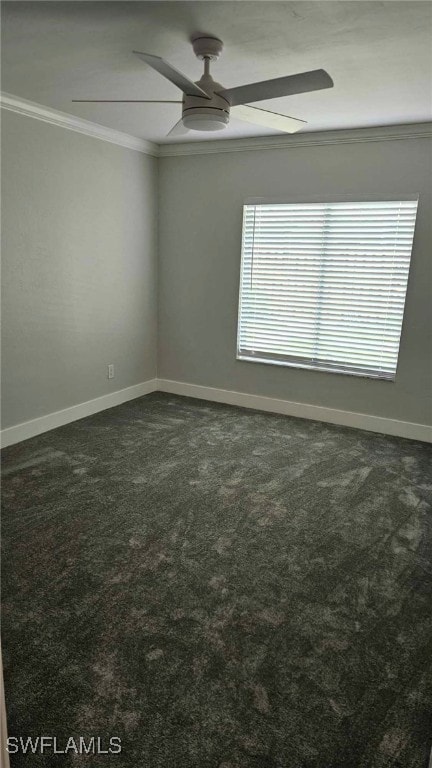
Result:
pixel 323 285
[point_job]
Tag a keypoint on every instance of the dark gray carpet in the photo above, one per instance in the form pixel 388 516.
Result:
pixel 221 588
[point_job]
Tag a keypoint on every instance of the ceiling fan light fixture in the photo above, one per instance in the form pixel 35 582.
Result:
pixel 205 120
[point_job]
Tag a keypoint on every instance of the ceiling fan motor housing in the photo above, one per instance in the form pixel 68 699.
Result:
pixel 201 114
pixel 206 47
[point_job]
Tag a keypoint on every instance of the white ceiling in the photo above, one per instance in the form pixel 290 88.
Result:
pixel 379 55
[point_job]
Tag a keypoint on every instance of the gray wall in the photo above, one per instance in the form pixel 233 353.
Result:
pixel 200 212
pixel 79 268
pixel 80 278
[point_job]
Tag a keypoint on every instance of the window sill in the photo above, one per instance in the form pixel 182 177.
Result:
pixel 320 369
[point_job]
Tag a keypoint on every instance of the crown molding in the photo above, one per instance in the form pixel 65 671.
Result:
pixel 73 123
pixel 346 136
pixel 254 143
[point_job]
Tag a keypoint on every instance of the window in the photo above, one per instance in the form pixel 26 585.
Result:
pixel 323 285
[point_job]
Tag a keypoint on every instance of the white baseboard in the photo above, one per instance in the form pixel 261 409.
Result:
pixel 35 427
pixel 302 410
pixel 365 421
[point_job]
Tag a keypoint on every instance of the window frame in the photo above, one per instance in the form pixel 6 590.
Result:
pixel 325 199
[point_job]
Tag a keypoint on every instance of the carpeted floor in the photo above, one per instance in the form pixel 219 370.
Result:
pixel 220 588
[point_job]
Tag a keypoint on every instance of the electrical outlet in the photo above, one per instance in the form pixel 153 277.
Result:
pixel 111 371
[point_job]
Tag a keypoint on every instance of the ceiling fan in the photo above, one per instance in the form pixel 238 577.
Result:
pixel 207 105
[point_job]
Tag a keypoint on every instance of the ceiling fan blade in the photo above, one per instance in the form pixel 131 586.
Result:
pixel 268 119
pixel 124 101
pixel 280 86
pixel 172 74
pixel 178 129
